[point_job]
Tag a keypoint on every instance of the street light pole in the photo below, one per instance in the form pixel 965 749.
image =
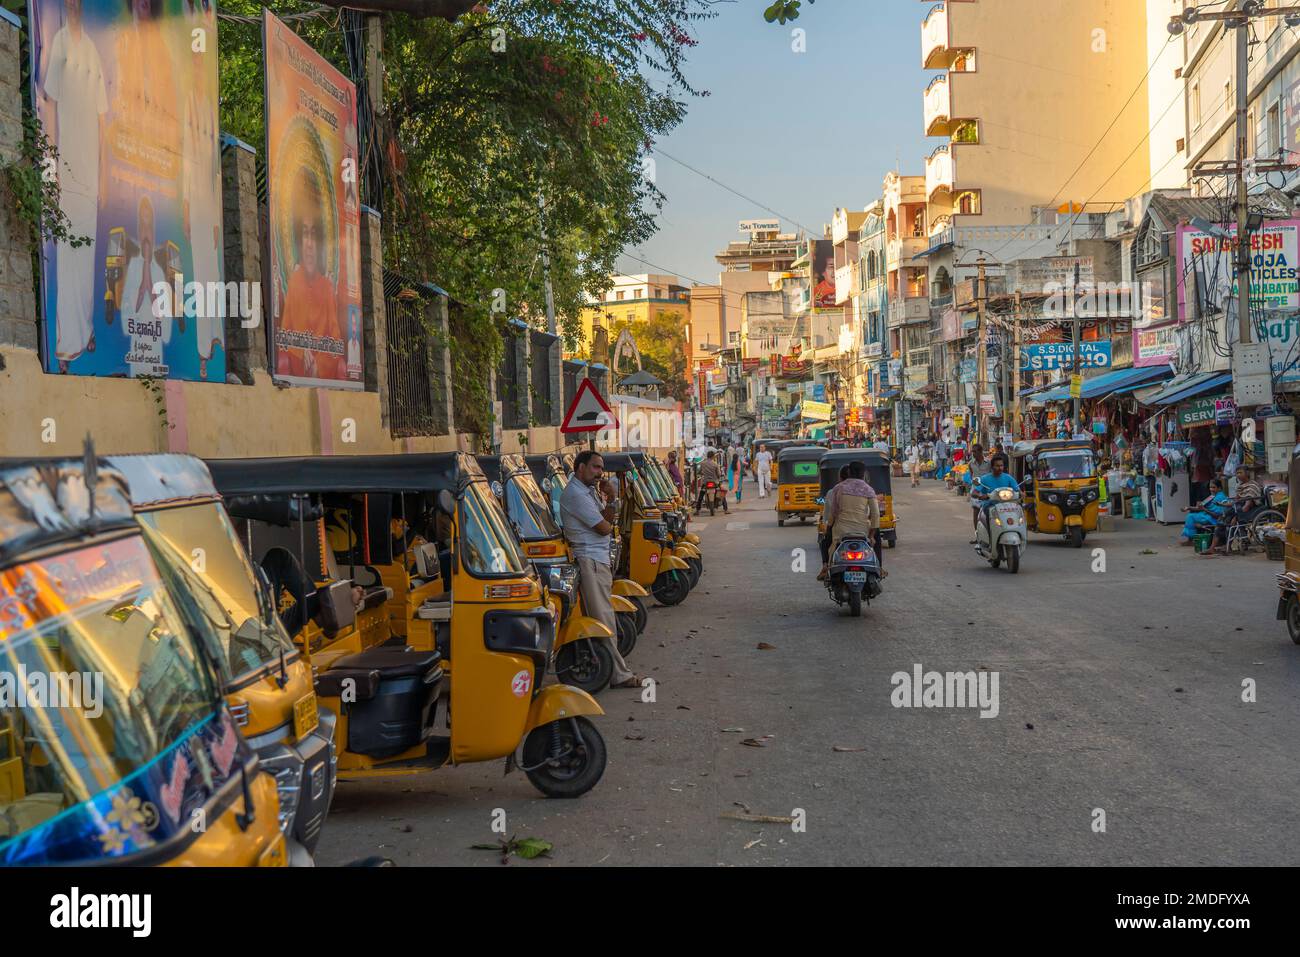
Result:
pixel 981 368
pixel 1243 204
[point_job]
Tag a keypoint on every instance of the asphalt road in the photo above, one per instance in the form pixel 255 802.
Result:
pixel 1119 691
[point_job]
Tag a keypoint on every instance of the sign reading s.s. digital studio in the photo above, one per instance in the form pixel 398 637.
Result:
pixel 1060 355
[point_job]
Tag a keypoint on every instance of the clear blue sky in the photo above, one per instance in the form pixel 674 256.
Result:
pixel 802 133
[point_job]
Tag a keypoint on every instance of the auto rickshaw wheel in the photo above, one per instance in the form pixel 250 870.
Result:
pixel 585 664
pixel 642 615
pixel 694 568
pixel 567 757
pixel 671 588
pixel 1076 536
pixel 780 523
pixel 1293 619
pixel 626 632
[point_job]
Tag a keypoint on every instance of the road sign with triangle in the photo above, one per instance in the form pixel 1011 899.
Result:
pixel 588 412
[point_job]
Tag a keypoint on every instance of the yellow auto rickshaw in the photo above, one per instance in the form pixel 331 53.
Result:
pixel 663 493
pixel 419 542
pixel 646 553
pixel 581 658
pixel 1061 489
pixel 550 473
pixel 878 477
pixel 1288 605
pixel 797 486
pixel 268 684
pixel 136 759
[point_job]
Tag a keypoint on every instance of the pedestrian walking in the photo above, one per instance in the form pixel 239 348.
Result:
pixel 940 457
pixel 738 464
pixel 588 519
pixel 763 470
pixel 914 463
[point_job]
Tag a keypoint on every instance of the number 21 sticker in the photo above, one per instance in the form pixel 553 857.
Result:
pixel 521 683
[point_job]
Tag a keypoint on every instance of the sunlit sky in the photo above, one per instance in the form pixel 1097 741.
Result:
pixel 801 133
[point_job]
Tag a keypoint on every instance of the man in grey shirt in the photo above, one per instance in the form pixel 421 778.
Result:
pixel 588 520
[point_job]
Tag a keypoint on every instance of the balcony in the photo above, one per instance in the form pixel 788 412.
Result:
pixel 907 311
pixel 900 252
pixel 934 38
pixel 940 173
pixel 938 107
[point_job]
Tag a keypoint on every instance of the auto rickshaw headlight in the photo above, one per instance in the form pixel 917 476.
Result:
pixel 286 767
pixel 562 578
pixel 654 531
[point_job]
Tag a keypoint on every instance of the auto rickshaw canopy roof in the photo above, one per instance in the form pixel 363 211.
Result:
pixel 1034 446
pixel 165 478
pixel 48 501
pixel 543 464
pixel 801 453
pixel 877 463
pixel 426 472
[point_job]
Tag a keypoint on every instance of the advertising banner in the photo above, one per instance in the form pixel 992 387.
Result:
pixel 1196 412
pixel 315 214
pixel 1060 355
pixel 817 411
pixel 127 94
pixel 793 368
pixel 1154 347
pixel 1274 251
pixel 822 257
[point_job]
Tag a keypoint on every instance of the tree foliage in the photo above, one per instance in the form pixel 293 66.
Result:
pixel 516 120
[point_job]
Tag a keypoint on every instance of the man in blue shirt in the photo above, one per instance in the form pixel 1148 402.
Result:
pixel 988 483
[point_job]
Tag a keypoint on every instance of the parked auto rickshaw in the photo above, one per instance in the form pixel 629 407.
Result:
pixel 551 474
pixel 646 553
pixel 662 492
pixel 397 575
pixel 797 484
pixel 1061 489
pixel 131 756
pixel 267 683
pixel 878 478
pixel 581 658
pixel 1288 605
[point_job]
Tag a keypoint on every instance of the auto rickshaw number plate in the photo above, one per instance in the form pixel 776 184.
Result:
pixel 305 716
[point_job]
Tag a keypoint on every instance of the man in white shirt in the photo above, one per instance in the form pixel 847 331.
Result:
pixel 763 470
pixel 588 520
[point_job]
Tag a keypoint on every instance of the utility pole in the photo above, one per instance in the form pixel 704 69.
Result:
pixel 1074 316
pixel 1015 376
pixel 1243 204
pixel 981 361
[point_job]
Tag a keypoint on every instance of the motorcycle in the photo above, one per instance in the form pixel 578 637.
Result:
pixel 854 574
pixel 1001 534
pixel 712 497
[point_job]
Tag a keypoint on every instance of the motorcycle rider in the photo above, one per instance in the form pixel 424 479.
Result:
pixel 986 484
pixel 710 471
pixel 853 511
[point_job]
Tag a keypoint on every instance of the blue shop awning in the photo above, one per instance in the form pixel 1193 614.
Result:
pixel 1110 382
pixel 889 394
pixel 932 250
pixel 1197 385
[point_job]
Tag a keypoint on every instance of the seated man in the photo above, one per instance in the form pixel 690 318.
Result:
pixel 824 541
pixel 981 494
pixel 1206 514
pixel 1245 505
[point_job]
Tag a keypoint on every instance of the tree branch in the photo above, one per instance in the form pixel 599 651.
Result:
pixel 449 10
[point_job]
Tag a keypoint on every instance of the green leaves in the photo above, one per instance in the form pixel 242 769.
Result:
pixel 783 10
pixel 528 848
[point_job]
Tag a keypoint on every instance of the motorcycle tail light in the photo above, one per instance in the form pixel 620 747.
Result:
pixel 854 556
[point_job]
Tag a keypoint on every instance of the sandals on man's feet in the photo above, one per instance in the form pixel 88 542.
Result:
pixel 633 682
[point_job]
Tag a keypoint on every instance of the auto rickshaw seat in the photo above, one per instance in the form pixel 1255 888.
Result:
pixel 390 662
pixel 365 683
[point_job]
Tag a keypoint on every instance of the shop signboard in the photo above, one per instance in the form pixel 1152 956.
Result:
pixel 1060 355
pixel 817 411
pixel 1196 412
pixel 1226 411
pixel 1274 252
pixel 1154 347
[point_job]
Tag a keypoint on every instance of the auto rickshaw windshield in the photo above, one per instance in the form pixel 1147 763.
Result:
pixel 528 508
pixel 225 594
pixel 554 484
pixel 488 545
pixel 654 478
pixel 106 684
pixel 1067 464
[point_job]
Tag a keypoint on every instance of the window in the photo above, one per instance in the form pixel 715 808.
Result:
pixel 966 131
pixel 733 338
pixel 619 295
pixel 1196 105
pixel 967 203
pixel 1273 130
pixel 964 62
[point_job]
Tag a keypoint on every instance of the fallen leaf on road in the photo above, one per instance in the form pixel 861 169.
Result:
pixel 760 742
pixel 757 840
pixel 764 646
pixel 634 736
pixel 840 747
pixel 1147 551
pixel 682 707
pixel 732 730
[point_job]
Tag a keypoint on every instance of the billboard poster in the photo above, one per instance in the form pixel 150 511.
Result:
pixel 1274 251
pixel 822 258
pixel 127 94
pixel 1154 347
pixel 315 214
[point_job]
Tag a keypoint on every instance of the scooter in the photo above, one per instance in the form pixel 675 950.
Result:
pixel 1000 535
pixel 854 574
